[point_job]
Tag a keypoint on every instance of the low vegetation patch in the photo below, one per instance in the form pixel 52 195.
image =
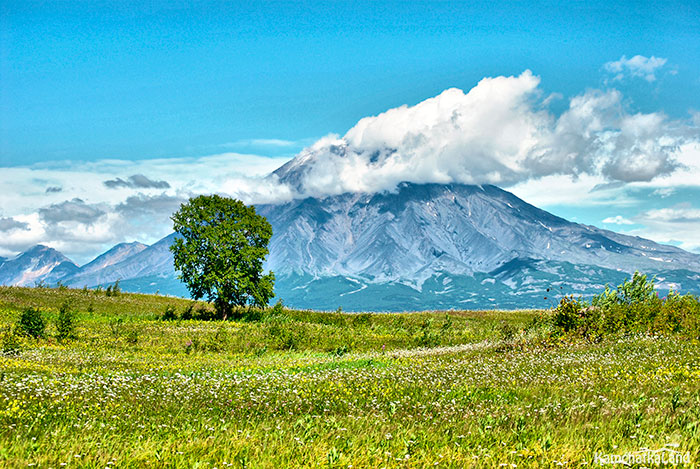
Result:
pixel 633 307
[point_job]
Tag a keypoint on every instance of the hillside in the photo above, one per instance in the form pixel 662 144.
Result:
pixel 298 388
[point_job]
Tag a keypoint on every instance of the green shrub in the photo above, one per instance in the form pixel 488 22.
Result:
pixel 116 325
pixel 65 322
pixel 507 331
pixel 341 350
pixel 428 337
pixel 362 319
pixel 278 308
pixel 32 323
pixel 633 306
pixel 285 334
pixel 248 314
pixel 206 314
pixel 188 312
pixel 567 316
pixel 201 313
pixel 637 290
pixel 169 314
pixel 217 341
pixel 10 344
pixel 113 290
pixel 132 335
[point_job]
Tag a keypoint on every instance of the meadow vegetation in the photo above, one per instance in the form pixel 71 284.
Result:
pixel 131 380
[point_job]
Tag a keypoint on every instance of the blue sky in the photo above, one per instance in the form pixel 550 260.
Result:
pixel 87 87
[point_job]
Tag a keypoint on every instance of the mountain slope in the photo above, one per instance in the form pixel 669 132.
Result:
pixel 154 260
pixel 420 230
pixel 38 264
pixel 92 270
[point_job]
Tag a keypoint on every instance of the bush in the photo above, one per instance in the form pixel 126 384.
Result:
pixel 32 323
pixel 169 314
pixel 207 314
pixel 188 312
pixel 567 316
pixel 341 350
pixel 284 334
pixel 113 290
pixel 11 344
pixel 428 337
pixel 278 308
pixel 65 322
pixel 633 306
pixel 132 335
pixel 507 331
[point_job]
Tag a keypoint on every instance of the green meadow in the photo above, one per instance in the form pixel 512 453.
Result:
pixel 133 384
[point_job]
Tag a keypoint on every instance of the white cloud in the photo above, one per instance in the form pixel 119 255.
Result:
pixel 637 66
pixel 565 190
pixel 499 132
pixel 618 220
pixel 679 224
pixel 85 217
pixel 679 214
pixel 664 192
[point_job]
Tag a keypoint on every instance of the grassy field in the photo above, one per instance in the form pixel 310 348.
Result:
pixel 308 389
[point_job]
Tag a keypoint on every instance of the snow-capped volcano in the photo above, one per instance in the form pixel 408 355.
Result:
pixel 420 230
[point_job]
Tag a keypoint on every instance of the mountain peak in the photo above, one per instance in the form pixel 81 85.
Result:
pixel 39 263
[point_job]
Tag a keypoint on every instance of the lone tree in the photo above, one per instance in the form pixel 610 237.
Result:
pixel 220 252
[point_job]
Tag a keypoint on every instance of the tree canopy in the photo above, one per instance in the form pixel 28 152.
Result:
pixel 220 251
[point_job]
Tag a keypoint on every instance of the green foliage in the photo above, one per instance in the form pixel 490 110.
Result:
pixel 32 322
pixel 278 308
pixel 633 306
pixel 10 344
pixel 220 251
pixel 113 290
pixel 169 313
pixel 65 322
pixel 341 350
pixel 636 290
pixel 429 337
pixel 507 331
pixel 568 315
pixel 188 312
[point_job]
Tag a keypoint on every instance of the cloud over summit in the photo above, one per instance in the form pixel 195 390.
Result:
pixel 499 132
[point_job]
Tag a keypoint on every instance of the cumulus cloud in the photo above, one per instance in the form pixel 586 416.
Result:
pixel 75 210
pixel 637 66
pixel 101 218
pixel 137 181
pixel 500 132
pixel 10 224
pixel 678 224
pixel 618 220
pixel 680 214
pixel 140 205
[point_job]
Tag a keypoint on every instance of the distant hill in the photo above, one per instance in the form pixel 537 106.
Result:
pixel 38 264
